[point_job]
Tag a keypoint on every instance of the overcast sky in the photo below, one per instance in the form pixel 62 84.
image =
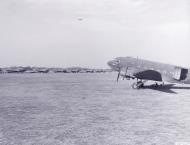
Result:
pixel 88 33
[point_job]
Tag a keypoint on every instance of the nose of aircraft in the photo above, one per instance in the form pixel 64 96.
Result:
pixel 114 64
pixel 110 63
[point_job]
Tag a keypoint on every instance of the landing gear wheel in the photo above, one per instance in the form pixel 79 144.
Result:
pixel 137 85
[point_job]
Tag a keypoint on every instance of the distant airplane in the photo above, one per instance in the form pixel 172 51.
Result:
pixel 80 19
pixel 144 70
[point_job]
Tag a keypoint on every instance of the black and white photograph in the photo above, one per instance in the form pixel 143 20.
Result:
pixel 94 72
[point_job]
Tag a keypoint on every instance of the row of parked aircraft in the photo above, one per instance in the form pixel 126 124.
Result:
pixel 144 70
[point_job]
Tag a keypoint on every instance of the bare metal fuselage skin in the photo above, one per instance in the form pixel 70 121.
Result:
pixel 169 73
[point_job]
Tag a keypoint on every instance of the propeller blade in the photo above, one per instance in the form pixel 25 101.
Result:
pixel 126 71
pixel 125 76
pixel 118 75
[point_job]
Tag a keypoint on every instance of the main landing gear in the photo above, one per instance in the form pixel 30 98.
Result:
pixel 138 85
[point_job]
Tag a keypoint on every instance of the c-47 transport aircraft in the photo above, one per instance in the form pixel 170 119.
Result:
pixel 144 70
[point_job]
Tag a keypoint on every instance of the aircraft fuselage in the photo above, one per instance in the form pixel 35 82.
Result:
pixel 169 73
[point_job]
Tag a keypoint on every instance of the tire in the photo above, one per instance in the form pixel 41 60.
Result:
pixel 135 86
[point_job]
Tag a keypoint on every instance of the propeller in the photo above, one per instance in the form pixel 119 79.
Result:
pixel 128 77
pixel 125 76
pixel 118 75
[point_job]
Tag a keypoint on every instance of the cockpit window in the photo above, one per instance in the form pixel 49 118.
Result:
pixel 116 61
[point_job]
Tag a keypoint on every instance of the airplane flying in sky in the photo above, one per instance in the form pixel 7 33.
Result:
pixel 144 70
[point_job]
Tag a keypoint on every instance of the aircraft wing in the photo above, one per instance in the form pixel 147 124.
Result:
pixel 148 75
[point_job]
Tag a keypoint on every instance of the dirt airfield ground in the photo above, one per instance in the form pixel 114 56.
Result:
pixel 90 109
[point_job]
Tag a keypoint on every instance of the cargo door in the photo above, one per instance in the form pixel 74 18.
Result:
pixel 184 73
pixel 180 73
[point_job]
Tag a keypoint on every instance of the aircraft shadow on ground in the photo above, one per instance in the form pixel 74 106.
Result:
pixel 167 88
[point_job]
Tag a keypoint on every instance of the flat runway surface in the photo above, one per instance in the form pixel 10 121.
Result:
pixel 90 109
